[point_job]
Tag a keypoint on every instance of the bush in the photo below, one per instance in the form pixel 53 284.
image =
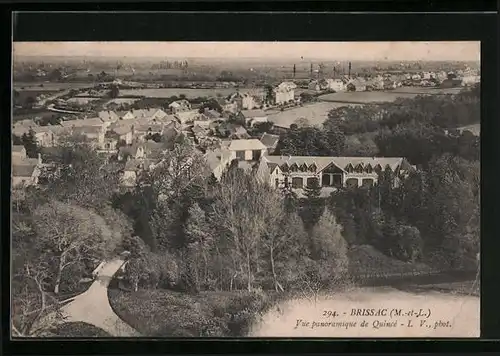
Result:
pixel 78 329
pixel 171 314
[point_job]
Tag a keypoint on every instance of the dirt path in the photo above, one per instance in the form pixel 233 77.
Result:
pixel 93 305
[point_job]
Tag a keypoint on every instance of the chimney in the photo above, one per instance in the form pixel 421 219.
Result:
pixel 39 158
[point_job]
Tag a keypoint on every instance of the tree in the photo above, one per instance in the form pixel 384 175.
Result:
pixel 30 143
pixel 329 248
pixel 84 176
pixel 200 240
pixel 69 235
pixel 311 141
pixel 114 92
pixel 312 206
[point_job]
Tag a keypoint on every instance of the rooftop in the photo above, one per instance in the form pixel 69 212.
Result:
pixel 243 145
pixel 24 169
pixel 269 140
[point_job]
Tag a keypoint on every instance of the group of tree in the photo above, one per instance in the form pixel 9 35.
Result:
pixel 61 230
pixel 236 233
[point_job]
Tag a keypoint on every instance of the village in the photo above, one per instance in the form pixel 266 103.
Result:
pixel 196 197
pixel 240 126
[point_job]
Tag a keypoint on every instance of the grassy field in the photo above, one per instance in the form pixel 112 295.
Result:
pixel 171 314
pixel 385 96
pixel 51 86
pixel 315 113
pixel 189 93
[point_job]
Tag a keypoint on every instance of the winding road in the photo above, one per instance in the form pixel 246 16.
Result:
pixel 92 306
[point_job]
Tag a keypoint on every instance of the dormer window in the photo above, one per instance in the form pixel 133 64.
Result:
pixel 312 168
pixel 377 168
pixel 359 168
pixel 349 168
pixel 303 168
pixel 368 168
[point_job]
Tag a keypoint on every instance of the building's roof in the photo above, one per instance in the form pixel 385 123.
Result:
pixel 17 148
pixel 26 123
pixel 322 162
pixel 198 129
pixel 95 121
pixel 179 103
pixel 212 114
pixel 286 86
pixel 243 145
pixel 254 113
pixel 186 115
pixel 108 116
pixel 87 130
pixel 270 141
pixel 24 169
pixel 145 127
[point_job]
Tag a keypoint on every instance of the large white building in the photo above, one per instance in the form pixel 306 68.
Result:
pixel 284 92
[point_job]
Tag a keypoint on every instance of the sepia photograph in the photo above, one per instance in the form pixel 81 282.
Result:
pixel 245 189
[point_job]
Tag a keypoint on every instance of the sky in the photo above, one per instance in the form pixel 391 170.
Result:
pixel 463 51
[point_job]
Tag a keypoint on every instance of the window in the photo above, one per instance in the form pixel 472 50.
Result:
pixel 277 182
pixel 349 168
pixel 293 168
pixel 286 182
pixel 312 168
pixel 303 168
pixel 337 180
pixel 368 182
pixel 240 155
pixel 359 168
pixel 256 155
pixel 325 180
pixel 351 182
pixel 312 181
pixel 297 183
pixel 368 168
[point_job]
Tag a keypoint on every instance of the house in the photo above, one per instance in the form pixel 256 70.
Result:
pixel 179 106
pixel 202 123
pixel 144 129
pixel 218 160
pixel 18 153
pixel 314 85
pixel 358 84
pixel 199 131
pixel 254 116
pixel 44 136
pixel 142 150
pixel 247 150
pixel 94 134
pixel 108 116
pixel 332 173
pixel 125 115
pixel 185 117
pixel 284 93
pixel 337 85
pixel 238 132
pixel 122 133
pixel 133 168
pixel 389 84
pixel 25 171
pixel 270 141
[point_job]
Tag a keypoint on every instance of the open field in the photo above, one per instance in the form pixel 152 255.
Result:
pixel 315 113
pixel 189 93
pixel 363 97
pixel 51 86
